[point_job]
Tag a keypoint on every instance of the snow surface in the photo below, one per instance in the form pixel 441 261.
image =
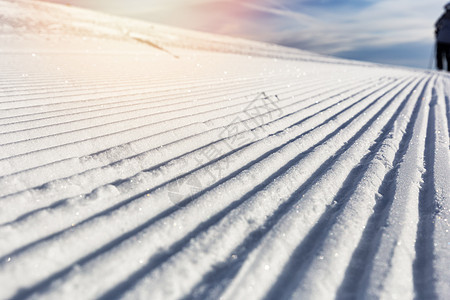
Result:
pixel 139 161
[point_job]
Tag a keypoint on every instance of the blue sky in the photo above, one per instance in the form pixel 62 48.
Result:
pixel 386 31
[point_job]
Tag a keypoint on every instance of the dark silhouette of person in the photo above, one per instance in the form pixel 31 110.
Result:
pixel 443 39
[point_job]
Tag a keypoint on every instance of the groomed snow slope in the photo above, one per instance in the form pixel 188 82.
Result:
pixel 139 161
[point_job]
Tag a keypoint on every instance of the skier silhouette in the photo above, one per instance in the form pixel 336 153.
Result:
pixel 443 39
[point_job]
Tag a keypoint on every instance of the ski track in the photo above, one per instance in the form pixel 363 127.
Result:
pixel 177 164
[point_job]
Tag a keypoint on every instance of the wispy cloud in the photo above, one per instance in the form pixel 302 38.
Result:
pixel 282 11
pixel 326 26
pixel 370 27
pixel 382 23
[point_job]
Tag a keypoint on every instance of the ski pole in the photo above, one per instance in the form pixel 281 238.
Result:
pixel 433 55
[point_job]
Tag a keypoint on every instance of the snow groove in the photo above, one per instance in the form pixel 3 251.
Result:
pixel 237 170
pixel 157 174
pixel 431 204
pixel 402 133
pixel 101 156
pixel 395 248
pixel 296 223
pixel 338 225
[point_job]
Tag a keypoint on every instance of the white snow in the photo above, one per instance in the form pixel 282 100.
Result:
pixel 140 161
